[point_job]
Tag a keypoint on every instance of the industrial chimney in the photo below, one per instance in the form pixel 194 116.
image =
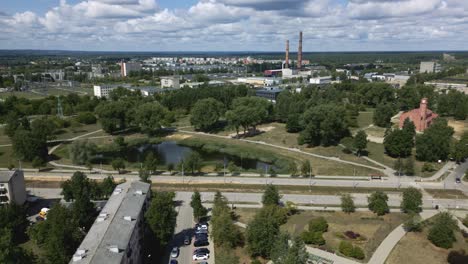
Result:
pixel 299 53
pixel 286 64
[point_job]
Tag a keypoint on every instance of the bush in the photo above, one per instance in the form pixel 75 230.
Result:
pixel 441 233
pixel 413 224
pixel 428 167
pixel 347 249
pixel 86 118
pixel 314 238
pixel 318 225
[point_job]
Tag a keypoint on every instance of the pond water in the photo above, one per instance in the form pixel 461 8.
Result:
pixel 169 152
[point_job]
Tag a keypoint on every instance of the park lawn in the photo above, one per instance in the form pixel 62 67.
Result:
pixel 275 133
pixel 460 126
pixel 365 119
pixel 376 152
pixel 4 139
pixel 416 248
pixel 373 228
pixel 8 158
pixel 71 132
pixel 27 95
pixel 320 166
pixel 375 131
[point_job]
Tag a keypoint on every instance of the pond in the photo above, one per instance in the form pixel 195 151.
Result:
pixel 169 152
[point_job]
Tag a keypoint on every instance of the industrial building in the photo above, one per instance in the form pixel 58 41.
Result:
pixel 260 81
pixel 12 187
pixel 429 67
pixel 127 67
pixel 117 234
pixel 170 82
pixel 270 93
pixel 321 80
pixel 103 90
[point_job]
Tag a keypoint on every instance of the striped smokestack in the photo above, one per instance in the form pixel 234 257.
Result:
pixel 286 64
pixel 299 52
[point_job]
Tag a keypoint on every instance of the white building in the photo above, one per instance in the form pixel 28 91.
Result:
pixel 429 67
pixel 170 82
pixel 127 67
pixel 12 187
pixel 321 80
pixel 117 234
pixel 103 90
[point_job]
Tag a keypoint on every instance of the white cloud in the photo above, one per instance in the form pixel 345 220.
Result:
pixel 241 25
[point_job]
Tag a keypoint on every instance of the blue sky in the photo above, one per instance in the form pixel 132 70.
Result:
pixel 233 25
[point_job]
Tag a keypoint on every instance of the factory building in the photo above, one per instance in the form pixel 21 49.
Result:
pixel 170 82
pixel 270 93
pixel 321 80
pixel 429 67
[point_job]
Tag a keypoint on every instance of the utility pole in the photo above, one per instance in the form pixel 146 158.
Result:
pixel 310 178
pixel 224 170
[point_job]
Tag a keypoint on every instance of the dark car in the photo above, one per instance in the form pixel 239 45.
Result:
pixel 173 261
pixel 201 236
pixel 457 180
pixel 187 240
pixel 201 243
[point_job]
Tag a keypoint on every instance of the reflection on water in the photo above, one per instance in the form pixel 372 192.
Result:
pixel 168 152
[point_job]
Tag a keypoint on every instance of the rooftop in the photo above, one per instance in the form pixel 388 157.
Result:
pixel 112 228
pixel 5 176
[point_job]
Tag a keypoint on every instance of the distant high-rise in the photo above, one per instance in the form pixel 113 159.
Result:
pixel 127 67
pixel 299 52
pixel 429 67
pixel 286 63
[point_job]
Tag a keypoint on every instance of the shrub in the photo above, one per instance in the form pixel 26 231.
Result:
pixel 413 224
pixel 314 238
pixel 346 248
pixel 86 118
pixel 441 233
pixel 428 167
pixel 358 253
pixel 318 225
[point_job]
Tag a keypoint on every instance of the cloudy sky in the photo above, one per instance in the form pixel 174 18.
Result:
pixel 233 25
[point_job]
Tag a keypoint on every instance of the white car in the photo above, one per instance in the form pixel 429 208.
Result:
pixel 174 252
pixel 201 256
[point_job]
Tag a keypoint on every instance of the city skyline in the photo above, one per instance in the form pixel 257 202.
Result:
pixel 228 25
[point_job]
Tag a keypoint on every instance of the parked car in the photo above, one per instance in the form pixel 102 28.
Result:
pixel 187 240
pixel 201 236
pixel 457 180
pixel 201 231
pixel 201 250
pixel 201 256
pixel 174 252
pixel 173 261
pixel 201 243
pixel 200 226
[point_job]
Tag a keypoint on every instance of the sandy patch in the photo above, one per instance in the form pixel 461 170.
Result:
pixel 179 136
pixel 459 126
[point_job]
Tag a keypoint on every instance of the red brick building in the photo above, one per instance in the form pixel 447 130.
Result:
pixel 422 117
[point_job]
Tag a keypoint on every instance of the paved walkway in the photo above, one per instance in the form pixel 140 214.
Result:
pixel 449 165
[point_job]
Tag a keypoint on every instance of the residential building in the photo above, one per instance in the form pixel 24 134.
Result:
pixel 270 93
pixel 103 90
pixel 170 82
pixel 321 80
pixel 429 67
pixel 12 187
pixel 439 85
pixel 198 84
pixel 422 117
pixel 127 67
pixel 117 234
pixel 448 57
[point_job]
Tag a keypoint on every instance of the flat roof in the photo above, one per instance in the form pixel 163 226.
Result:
pixel 5 176
pixel 114 230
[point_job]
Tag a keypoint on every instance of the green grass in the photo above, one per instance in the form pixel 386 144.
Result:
pixel 27 95
pixel 236 147
pixel 365 119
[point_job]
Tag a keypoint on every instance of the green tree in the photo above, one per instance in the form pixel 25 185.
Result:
pixel 261 233
pixel 113 115
pixel 284 253
pixel 377 203
pixel 118 164
pixel 434 144
pixel 360 141
pixel 441 232
pixel 81 152
pixel 27 145
pixel 410 129
pixel 347 203
pixel 59 236
pixel 144 176
pixel 413 224
pixel 161 216
pixel 194 162
pixel 412 200
pixel 38 162
pixel 150 117
pixel 318 224
pixel 10 253
pixel 460 150
pixel 324 125
pixel 224 232
pixel 86 118
pixel 271 196
pixel 408 166
pixel 293 124
pixel 107 186
pixel 205 113
pixel 199 210
pixel 383 114
pixel 397 144
pixel 292 168
pixel 151 163
pixel 306 169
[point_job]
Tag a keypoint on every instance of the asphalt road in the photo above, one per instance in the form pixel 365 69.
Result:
pixel 183 227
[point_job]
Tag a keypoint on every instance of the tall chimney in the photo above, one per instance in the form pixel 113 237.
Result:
pixel 286 64
pixel 299 53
